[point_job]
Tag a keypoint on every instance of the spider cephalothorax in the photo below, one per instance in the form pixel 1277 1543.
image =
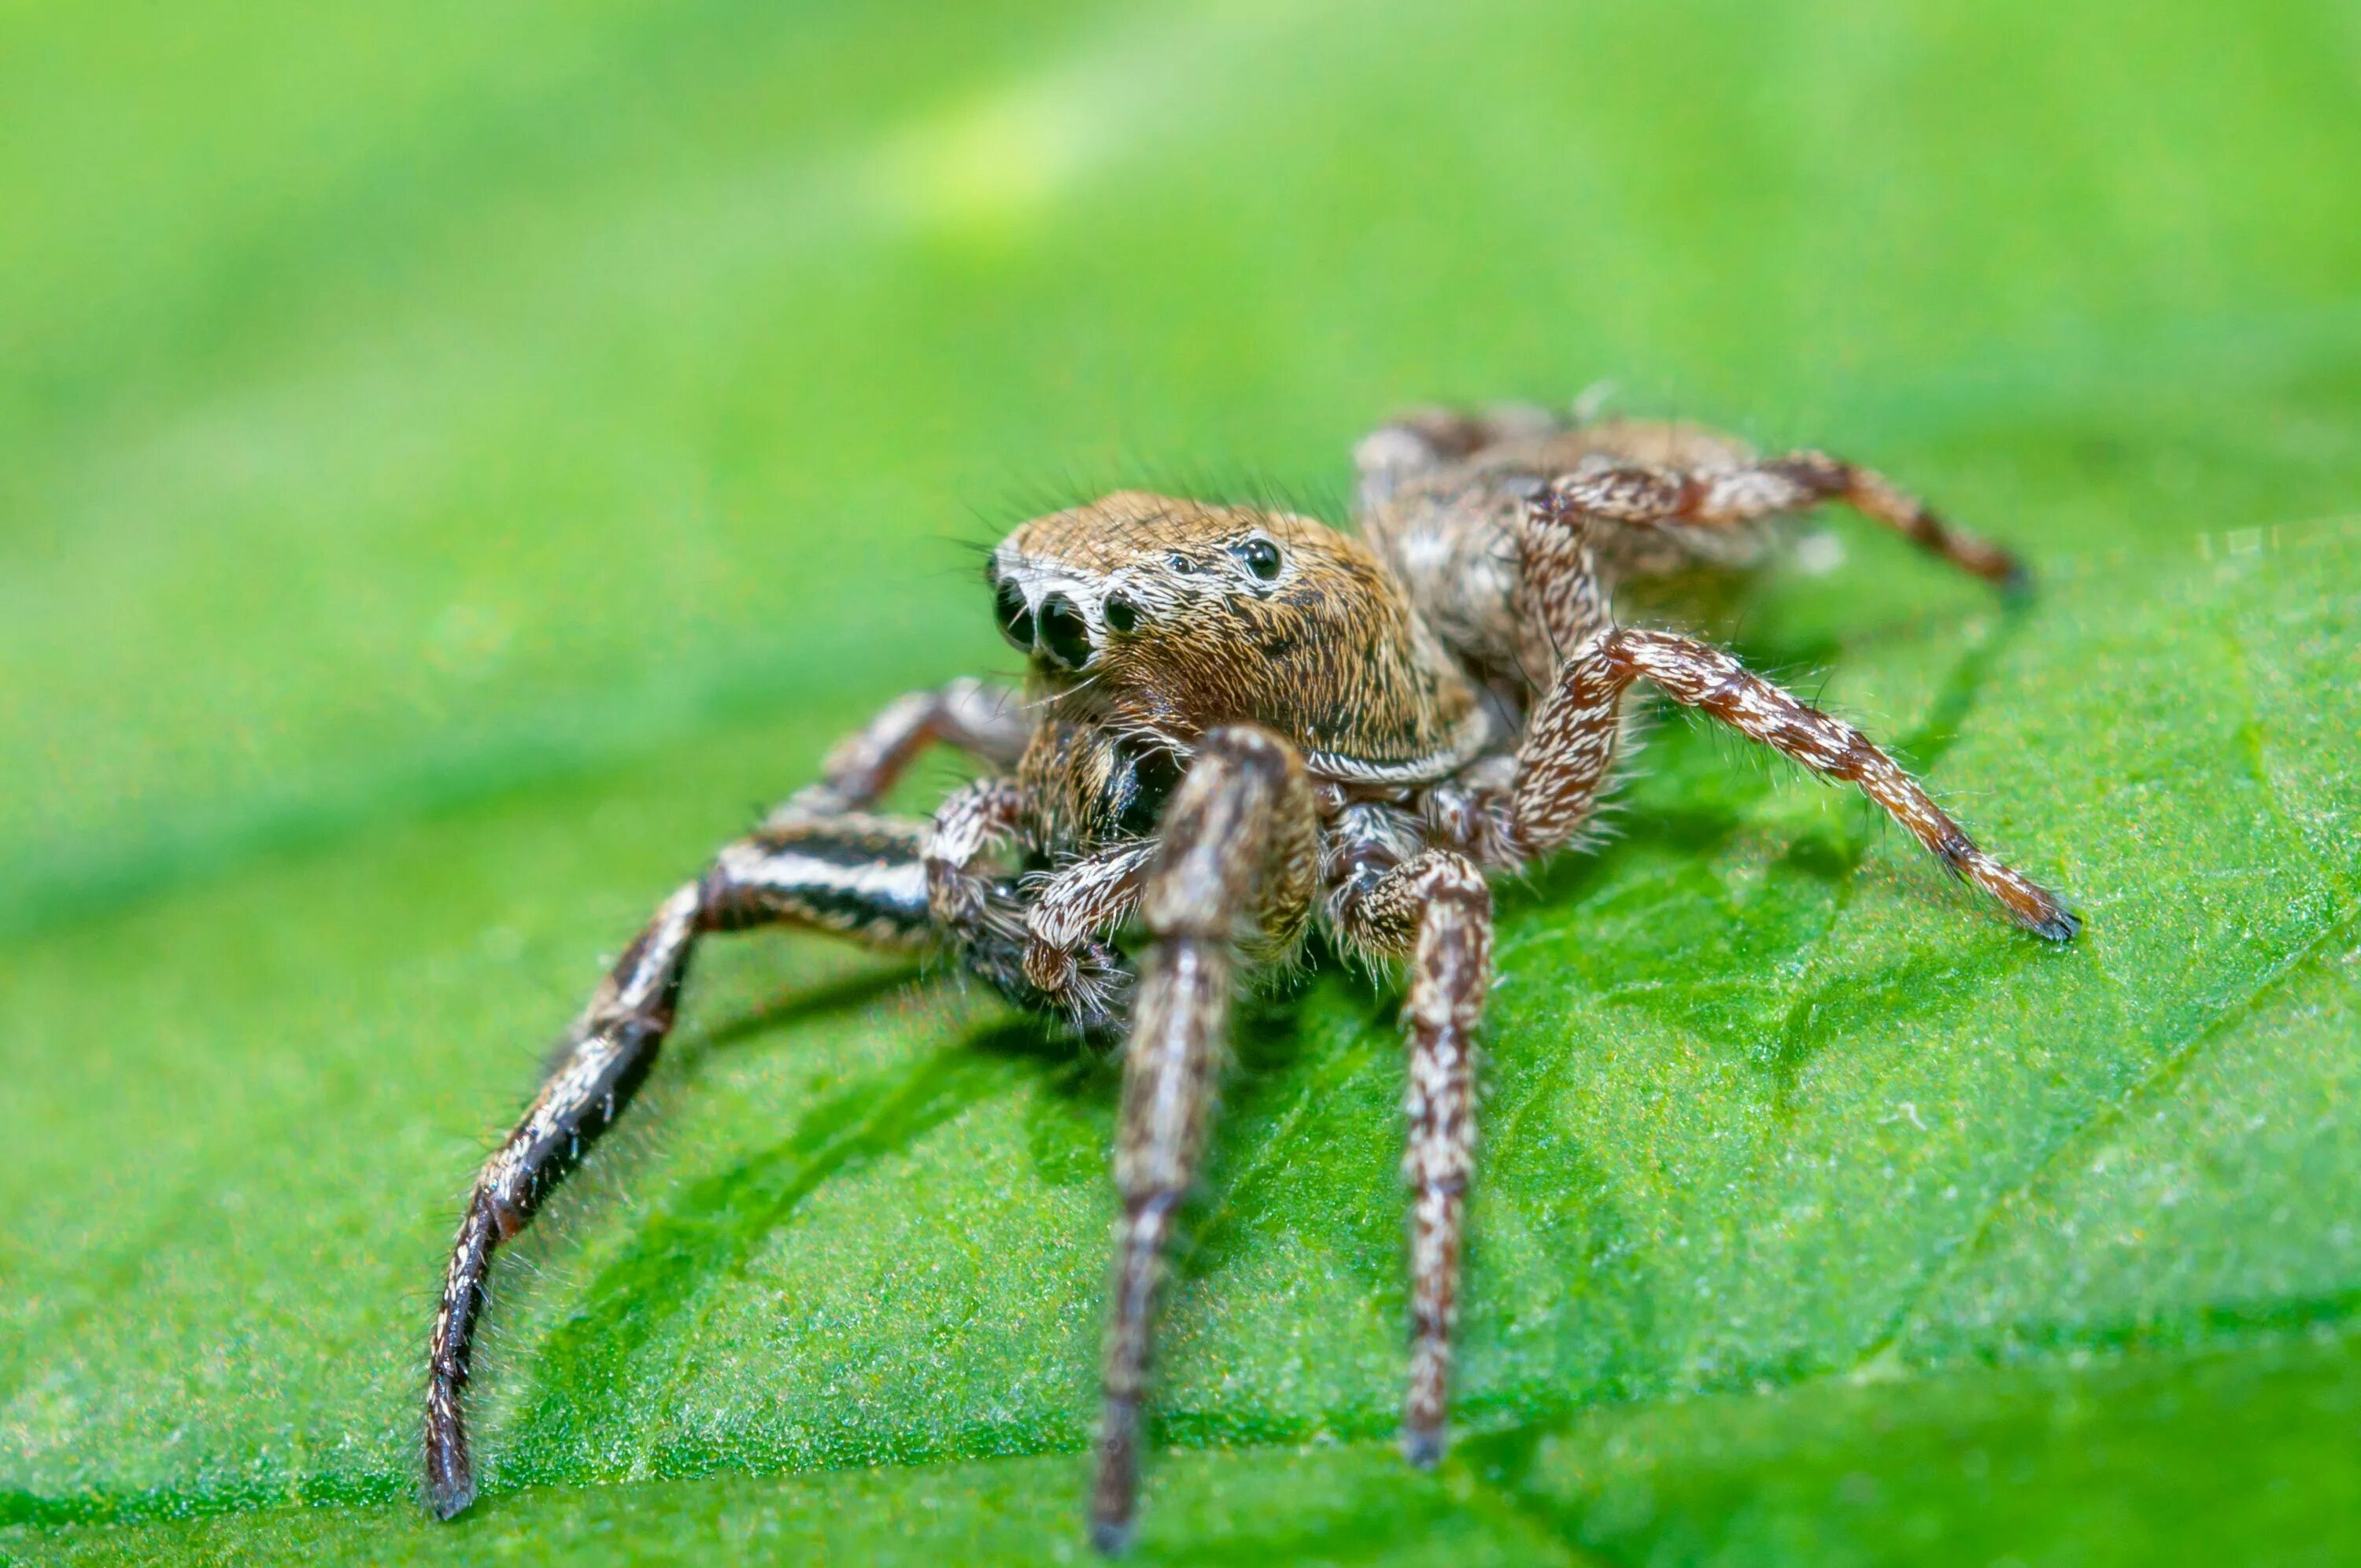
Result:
pixel 1240 724
pixel 1166 617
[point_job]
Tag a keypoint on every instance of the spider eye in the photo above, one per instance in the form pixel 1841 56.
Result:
pixel 1016 621
pixel 1065 635
pixel 1121 614
pixel 1259 556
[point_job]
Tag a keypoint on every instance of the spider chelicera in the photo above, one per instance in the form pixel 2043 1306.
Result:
pixel 1238 724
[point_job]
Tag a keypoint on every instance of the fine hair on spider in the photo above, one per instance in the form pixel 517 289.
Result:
pixel 1239 728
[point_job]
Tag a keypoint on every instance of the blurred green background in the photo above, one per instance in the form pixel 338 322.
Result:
pixel 456 464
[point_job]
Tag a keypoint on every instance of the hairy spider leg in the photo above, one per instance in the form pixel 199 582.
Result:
pixel 857 876
pixel 1565 592
pixel 816 862
pixel 1237 845
pixel 972 820
pixel 985 721
pixel 1436 910
pixel 1572 741
pixel 1718 498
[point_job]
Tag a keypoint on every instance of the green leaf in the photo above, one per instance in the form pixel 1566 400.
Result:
pixel 457 468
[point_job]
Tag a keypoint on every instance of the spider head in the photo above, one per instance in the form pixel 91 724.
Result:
pixel 1174 616
pixel 1113 583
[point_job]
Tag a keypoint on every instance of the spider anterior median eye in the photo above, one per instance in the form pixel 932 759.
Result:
pixel 1120 612
pixel 1065 635
pixel 1016 621
pixel 1262 558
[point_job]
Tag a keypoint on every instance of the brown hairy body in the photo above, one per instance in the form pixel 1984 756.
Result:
pixel 1240 724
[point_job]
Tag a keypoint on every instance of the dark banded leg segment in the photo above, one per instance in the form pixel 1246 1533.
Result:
pixel 1570 747
pixel 860 876
pixel 1235 847
pixel 1436 911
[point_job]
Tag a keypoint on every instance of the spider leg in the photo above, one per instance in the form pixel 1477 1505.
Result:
pixel 1719 498
pixel 1436 910
pixel 1571 744
pixel 986 721
pixel 858 876
pixel 972 820
pixel 1236 847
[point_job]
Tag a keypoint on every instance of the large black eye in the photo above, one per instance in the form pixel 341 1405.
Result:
pixel 1064 633
pixel 1262 558
pixel 1121 614
pixel 1016 621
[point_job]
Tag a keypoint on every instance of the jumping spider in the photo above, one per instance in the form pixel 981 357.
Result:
pixel 1239 723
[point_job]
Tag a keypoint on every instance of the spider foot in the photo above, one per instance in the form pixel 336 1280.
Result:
pixel 2063 926
pixel 450 1478
pixel 1115 1492
pixel 1422 1446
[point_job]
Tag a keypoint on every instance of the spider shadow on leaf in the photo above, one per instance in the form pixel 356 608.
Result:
pixel 840 994
pixel 619 1344
pixel 1315 1079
